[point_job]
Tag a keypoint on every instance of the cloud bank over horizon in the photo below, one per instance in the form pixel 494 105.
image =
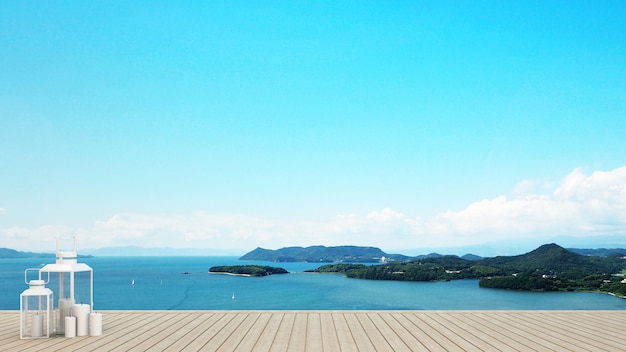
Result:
pixel 580 205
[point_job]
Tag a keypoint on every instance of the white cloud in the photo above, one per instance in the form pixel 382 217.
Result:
pixel 524 187
pixel 386 215
pixel 578 205
pixel 180 230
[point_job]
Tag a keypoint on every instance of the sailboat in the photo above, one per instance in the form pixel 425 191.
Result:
pixel 233 295
pixel 133 282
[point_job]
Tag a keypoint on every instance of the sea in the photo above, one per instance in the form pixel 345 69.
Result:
pixel 183 283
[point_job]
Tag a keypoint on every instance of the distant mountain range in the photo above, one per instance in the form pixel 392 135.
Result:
pixel 599 252
pixel 12 253
pixel 322 254
pixel 286 254
pixel 137 251
pixel 6 253
pixel 354 254
pixel 515 246
pixel 129 251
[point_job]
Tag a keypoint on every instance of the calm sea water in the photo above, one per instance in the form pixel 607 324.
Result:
pixel 163 283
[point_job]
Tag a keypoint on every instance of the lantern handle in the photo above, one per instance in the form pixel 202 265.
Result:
pixel 66 237
pixel 34 269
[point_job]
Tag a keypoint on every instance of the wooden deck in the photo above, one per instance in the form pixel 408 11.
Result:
pixel 337 331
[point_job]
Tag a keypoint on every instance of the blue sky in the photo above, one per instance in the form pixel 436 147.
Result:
pixel 232 125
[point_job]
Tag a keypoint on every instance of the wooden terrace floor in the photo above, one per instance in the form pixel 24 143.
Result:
pixel 337 331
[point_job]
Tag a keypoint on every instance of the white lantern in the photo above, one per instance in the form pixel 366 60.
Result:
pixel 36 315
pixel 71 282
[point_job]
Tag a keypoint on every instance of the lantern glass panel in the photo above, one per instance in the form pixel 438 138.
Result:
pixel 36 315
pixel 82 287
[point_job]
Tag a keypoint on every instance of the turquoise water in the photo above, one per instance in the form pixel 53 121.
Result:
pixel 183 283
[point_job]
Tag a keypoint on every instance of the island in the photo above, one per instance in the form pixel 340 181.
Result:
pixel 323 254
pixel 547 268
pixel 247 270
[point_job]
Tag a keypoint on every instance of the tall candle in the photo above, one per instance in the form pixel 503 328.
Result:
pixel 65 310
pixel 37 325
pixel 81 312
pixel 95 324
pixel 70 326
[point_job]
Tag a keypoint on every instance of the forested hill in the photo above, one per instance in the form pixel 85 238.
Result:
pixel 322 254
pixel 549 259
pixel 549 267
pixel 552 258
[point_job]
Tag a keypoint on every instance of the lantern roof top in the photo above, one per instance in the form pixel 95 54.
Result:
pixel 65 268
pixel 66 262
pixel 37 289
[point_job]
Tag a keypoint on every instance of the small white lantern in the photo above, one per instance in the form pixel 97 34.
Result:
pixel 72 283
pixel 36 310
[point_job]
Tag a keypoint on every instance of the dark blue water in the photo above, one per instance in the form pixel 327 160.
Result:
pixel 183 283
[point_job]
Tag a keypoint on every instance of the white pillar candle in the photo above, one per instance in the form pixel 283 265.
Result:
pixel 70 326
pixel 65 310
pixel 36 325
pixel 95 324
pixel 81 312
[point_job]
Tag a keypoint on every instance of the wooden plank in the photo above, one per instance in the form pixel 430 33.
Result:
pixel 235 338
pixel 401 332
pixel 9 323
pixel 506 321
pixel 10 332
pixel 337 330
pixel 592 331
pixel 420 335
pixel 420 320
pixel 483 342
pixel 226 332
pixel 359 334
pixel 611 317
pixel 298 337
pixel 388 333
pixel 609 321
pixel 283 334
pixel 378 340
pixel 459 339
pixel 61 343
pixel 140 333
pixel 268 334
pixel 215 340
pixel 190 335
pixel 174 332
pixel 521 327
pixel 254 333
pixel 203 337
pixel 570 339
pixel 330 342
pixel 115 324
pixel 314 333
pixel 519 342
pixel 150 337
pixel 159 339
pixel 344 335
